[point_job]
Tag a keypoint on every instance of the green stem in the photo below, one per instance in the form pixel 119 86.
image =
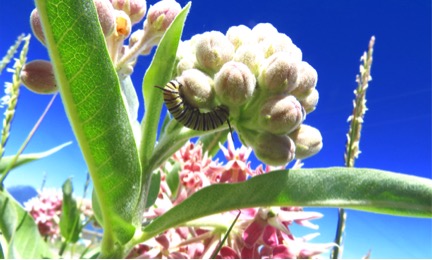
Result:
pixel 337 250
pixel 63 247
pixel 354 133
pixel 27 140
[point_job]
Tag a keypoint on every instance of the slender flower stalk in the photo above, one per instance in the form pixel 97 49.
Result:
pixel 12 90
pixel 27 140
pixel 356 119
pixel 11 52
pixel 353 137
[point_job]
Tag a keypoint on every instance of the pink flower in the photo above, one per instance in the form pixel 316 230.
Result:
pixel 237 168
pixel 46 209
pixel 257 233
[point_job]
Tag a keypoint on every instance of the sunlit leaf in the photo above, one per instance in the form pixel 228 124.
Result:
pixel 158 74
pixel 91 95
pixel 154 189
pixel 70 222
pixel 19 232
pixel 354 188
pixel 26 158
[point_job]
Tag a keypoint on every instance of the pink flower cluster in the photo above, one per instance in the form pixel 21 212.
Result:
pixel 45 210
pixel 258 232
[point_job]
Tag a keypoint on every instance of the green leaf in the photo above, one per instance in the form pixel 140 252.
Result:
pixel 70 224
pixel 154 189
pixel 26 158
pixel 211 141
pixel 354 188
pixel 91 95
pixel 158 74
pixel 19 232
pixel 173 179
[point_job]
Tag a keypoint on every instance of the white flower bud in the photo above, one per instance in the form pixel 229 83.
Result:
pixel 278 73
pixel 277 43
pixel 186 49
pixel 213 49
pixel 306 80
pixel 275 150
pixel 197 89
pixel 161 15
pixel 106 16
pixel 184 64
pixel 310 102
pixel 136 9
pixel 38 76
pixel 250 56
pixel 308 141
pixel 263 31
pixel 240 35
pixel 137 36
pixel 281 114
pixel 234 84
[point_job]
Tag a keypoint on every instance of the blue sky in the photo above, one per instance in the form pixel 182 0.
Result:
pixel 332 36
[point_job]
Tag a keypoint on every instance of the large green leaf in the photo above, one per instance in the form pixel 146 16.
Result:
pixel 26 158
pixel 158 74
pixel 355 188
pixel 21 238
pixel 91 95
pixel 70 219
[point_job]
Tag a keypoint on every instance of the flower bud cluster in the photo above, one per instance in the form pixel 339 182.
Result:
pixel 260 76
pixel 116 18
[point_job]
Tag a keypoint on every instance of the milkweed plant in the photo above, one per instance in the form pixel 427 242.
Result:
pixel 157 194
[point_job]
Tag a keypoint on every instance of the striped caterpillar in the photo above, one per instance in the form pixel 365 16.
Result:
pixel 190 116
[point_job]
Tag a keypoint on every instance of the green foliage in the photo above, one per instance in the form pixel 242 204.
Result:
pixel 91 95
pixel 26 158
pixel 173 179
pixel 154 189
pixel 355 188
pixel 70 220
pixel 21 238
pixel 158 74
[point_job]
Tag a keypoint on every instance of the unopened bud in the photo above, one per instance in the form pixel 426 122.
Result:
pixel 275 150
pixel 278 73
pixel 197 89
pixel 161 15
pixel 234 84
pixel 38 76
pixel 123 24
pixel 36 26
pixel 106 16
pixel 281 114
pixel 279 43
pixel 310 102
pixel 184 64
pixel 135 37
pixel 248 55
pixel 306 80
pixel 240 35
pixel 136 9
pixel 213 49
pixel 308 141
pixel 263 31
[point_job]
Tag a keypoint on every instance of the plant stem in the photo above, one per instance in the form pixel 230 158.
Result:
pixel 27 140
pixel 352 146
pixel 63 247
